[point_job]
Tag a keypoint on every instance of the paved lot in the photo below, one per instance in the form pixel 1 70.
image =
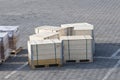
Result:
pixel 103 14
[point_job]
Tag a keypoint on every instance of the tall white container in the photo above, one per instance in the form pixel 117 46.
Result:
pixel 4 46
pixel 44 50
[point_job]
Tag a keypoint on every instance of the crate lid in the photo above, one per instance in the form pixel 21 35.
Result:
pixel 70 25
pixel 50 41
pixel 8 28
pixel 79 26
pixel 75 37
pixel 84 26
pixel 46 27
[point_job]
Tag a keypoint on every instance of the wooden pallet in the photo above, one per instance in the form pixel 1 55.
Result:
pixel 78 61
pixel 16 51
pixel 44 63
pixel 45 66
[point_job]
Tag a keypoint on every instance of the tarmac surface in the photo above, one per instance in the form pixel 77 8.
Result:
pixel 28 14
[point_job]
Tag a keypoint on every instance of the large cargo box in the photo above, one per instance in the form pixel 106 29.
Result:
pixel 77 47
pixel 44 50
pixel 4 46
pixel 44 35
pixel 13 36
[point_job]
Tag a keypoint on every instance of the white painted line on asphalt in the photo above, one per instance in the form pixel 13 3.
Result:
pixel 13 72
pixel 116 57
pixel 102 57
pixel 115 54
pixel 111 71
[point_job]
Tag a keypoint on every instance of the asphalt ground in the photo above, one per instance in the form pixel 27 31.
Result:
pixel 28 14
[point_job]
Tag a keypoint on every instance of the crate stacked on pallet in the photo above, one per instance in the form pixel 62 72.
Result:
pixel 13 37
pixel 77 48
pixel 44 52
pixel 4 47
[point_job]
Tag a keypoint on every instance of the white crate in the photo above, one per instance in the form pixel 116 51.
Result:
pixel 82 29
pixel 77 46
pixel 44 49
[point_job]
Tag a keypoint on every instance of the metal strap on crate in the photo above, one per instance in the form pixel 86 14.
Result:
pixel 55 51
pixel 37 54
pixel 31 54
pixel 69 49
pixel 86 49
pixel 62 51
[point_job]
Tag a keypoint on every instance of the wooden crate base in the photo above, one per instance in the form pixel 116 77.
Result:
pixel 46 66
pixel 78 61
pixel 16 51
pixel 44 63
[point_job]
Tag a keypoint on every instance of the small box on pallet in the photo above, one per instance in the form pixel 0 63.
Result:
pixel 44 52
pixel 4 46
pixel 77 48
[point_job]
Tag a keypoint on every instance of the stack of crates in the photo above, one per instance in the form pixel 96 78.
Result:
pixel 82 29
pixel 58 45
pixel 44 47
pixel 9 36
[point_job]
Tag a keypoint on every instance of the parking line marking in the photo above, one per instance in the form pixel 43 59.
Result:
pixel 111 70
pixel 114 54
pixel 13 72
pixel 102 57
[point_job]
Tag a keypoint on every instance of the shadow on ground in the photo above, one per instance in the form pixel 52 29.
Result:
pixel 106 49
pixel 102 49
